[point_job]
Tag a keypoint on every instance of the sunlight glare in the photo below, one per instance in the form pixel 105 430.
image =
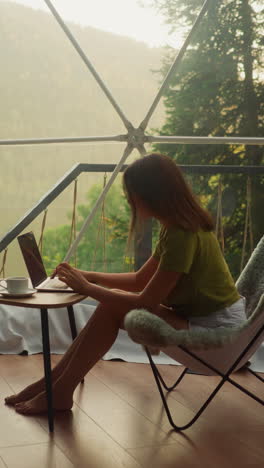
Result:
pixel 123 17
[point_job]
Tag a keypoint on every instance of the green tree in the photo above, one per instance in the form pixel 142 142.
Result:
pixel 218 91
pixel 104 245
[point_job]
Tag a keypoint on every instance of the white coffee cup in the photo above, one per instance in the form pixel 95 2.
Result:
pixel 15 285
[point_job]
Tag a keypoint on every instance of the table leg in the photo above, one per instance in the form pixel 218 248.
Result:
pixel 47 366
pixel 72 325
pixel 72 322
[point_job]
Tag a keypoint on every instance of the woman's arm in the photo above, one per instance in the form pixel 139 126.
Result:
pixel 134 281
pixel 154 293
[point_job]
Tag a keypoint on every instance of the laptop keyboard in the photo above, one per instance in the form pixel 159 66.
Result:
pixel 56 284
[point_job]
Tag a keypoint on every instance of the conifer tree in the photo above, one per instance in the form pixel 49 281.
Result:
pixel 218 90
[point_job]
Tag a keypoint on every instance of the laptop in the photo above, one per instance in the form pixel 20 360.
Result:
pixel 35 266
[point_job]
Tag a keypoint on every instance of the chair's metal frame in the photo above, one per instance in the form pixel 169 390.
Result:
pixel 225 378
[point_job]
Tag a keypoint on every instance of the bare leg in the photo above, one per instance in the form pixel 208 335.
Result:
pixel 34 389
pixel 98 337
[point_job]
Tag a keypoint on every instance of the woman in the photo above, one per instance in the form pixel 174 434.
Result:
pixel 186 281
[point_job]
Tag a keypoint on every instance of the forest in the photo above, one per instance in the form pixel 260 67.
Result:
pixel 217 91
pixel 46 91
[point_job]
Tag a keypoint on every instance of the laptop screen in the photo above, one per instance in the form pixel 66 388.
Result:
pixel 32 258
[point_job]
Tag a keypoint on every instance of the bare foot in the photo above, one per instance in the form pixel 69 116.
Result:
pixel 26 394
pixel 37 387
pixel 34 389
pixel 38 404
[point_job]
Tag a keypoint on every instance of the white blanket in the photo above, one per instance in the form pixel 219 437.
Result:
pixel 20 330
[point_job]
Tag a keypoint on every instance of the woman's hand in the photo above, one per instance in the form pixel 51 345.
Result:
pixel 73 278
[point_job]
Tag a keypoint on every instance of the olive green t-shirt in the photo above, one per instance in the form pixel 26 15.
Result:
pixel 206 284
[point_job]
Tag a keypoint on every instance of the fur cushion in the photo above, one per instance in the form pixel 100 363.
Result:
pixel 146 328
pixel 250 283
pixel 150 330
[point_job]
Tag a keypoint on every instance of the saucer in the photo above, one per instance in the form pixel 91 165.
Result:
pixel 28 293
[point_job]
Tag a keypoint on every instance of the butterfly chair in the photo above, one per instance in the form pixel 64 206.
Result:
pixel 220 351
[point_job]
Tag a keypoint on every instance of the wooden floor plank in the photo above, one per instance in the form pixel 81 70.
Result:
pixel 16 429
pixel 32 456
pixel 219 455
pixel 118 421
pixel 20 371
pixel 135 384
pixel 85 444
pixel 118 418
pixel 76 435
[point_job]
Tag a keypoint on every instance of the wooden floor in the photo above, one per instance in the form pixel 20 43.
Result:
pixel 117 421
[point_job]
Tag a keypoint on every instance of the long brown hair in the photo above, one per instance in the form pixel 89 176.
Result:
pixel 158 182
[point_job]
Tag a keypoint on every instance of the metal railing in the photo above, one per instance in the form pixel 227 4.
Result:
pixel 78 169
